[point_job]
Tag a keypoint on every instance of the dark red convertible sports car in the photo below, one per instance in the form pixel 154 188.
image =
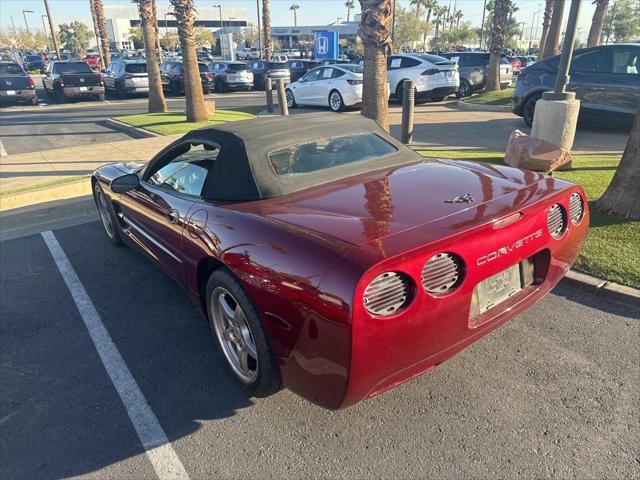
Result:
pixel 335 261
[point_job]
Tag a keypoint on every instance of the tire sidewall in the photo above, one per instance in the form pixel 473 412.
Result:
pixel 530 103
pixel 115 238
pixel 341 107
pixel 293 99
pixel 268 380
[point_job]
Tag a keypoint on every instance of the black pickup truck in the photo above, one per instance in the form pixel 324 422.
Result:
pixel 16 85
pixel 63 80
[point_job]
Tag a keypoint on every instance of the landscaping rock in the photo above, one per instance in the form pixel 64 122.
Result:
pixel 531 153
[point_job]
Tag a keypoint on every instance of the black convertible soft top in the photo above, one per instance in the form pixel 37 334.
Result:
pixel 242 170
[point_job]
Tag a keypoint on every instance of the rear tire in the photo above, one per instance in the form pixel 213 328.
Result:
pixel 121 93
pixel 109 221
pixel 60 95
pixel 291 101
pixel 465 89
pixel 175 89
pixel 529 109
pixel 239 334
pixel 34 101
pixel 220 86
pixel 101 97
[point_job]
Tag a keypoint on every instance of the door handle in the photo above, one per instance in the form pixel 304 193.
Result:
pixel 173 216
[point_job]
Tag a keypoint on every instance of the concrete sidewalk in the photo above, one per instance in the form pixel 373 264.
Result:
pixel 37 177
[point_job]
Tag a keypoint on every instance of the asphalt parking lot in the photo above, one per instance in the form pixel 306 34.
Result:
pixel 554 393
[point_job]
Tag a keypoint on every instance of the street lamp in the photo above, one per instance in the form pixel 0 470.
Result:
pixel 338 32
pixel 219 7
pixel 44 25
pixel 24 14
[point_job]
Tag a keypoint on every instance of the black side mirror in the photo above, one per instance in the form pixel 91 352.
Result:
pixel 125 183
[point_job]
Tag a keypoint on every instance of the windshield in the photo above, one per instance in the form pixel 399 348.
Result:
pixel 11 69
pixel 76 67
pixel 328 152
pixel 135 68
pixel 278 66
pixel 238 67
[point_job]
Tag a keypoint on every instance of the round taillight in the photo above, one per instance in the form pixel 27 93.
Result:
pixel 386 294
pixel 442 273
pixel 556 220
pixel 576 208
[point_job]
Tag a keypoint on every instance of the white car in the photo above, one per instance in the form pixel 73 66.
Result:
pixel 435 77
pixel 338 86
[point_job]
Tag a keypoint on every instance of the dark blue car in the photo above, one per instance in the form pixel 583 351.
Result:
pixel 606 80
pixel 33 62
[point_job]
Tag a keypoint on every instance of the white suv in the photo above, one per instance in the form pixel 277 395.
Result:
pixel 436 77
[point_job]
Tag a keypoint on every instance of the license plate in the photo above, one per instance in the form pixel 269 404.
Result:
pixel 498 288
pixel 11 92
pixel 83 89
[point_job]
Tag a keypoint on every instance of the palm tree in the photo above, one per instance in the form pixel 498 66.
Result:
pixel 621 198
pixel 546 22
pixel 438 13
pixel 597 22
pixel 294 8
pixel 418 4
pixel 266 29
pixel 430 5
pixel 196 110
pixel 98 7
pixel 97 33
pixel 458 16
pixel 501 10
pixel 146 9
pixel 375 32
pixel 350 4
pixel 552 42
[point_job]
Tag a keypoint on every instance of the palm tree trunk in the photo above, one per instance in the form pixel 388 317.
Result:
pixel 97 33
pixel 196 109
pixel 597 23
pixel 266 28
pixel 375 32
pixel 295 18
pixel 348 14
pixel 501 11
pixel 418 10
pixel 102 26
pixel 546 21
pixel 552 42
pixel 621 198
pixel 157 102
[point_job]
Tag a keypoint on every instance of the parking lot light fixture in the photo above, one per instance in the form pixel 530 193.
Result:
pixel 24 14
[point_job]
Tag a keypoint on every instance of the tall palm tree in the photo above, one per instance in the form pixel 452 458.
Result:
pixel 430 5
pixel 102 26
pixel 146 9
pixel 375 32
pixel 546 22
pixel 294 8
pixel 458 16
pixel 97 33
pixel 501 11
pixel 418 4
pixel 597 22
pixel 196 109
pixel 350 4
pixel 621 198
pixel 266 29
pixel 439 12
pixel 552 43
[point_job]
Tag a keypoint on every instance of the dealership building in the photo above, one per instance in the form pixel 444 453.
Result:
pixel 121 18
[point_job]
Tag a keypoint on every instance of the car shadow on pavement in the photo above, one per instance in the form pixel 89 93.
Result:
pixel 61 415
pixel 587 298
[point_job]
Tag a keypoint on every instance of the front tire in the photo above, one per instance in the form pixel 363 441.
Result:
pixel 238 331
pixel 108 219
pixel 335 101
pixel 529 109
pixel 291 101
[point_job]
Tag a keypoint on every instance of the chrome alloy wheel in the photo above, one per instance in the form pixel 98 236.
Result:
pixel 105 215
pixel 335 101
pixel 290 100
pixel 234 335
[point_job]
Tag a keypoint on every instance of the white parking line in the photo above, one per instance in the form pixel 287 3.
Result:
pixel 3 152
pixel 164 459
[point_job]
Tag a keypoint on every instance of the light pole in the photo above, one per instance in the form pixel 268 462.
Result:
pixel 44 25
pixel 53 33
pixel 24 14
pixel 259 30
pixel 338 32
pixel 219 7
pixel 484 9
pixel 533 22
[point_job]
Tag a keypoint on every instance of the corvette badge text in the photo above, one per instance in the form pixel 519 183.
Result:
pixel 507 249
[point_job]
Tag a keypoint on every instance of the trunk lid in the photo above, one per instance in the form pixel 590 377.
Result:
pixel 369 207
pixel 81 79
pixel 14 83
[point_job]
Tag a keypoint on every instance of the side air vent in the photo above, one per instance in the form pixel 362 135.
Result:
pixel 556 220
pixel 576 208
pixel 386 294
pixel 441 273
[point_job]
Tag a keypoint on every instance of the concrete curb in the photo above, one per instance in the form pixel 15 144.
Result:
pixel 612 291
pixel 133 132
pixel 37 195
pixel 483 108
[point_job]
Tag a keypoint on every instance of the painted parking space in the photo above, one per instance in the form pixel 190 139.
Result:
pixel 545 389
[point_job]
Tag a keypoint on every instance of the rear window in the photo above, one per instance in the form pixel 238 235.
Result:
pixel 328 152
pixel 76 67
pixel 11 69
pixel 203 68
pixel 238 67
pixel 135 68
pixel 277 66
pixel 353 68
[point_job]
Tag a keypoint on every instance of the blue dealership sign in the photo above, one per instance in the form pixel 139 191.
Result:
pixel 325 46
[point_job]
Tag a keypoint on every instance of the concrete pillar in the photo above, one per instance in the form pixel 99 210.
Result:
pixel 555 118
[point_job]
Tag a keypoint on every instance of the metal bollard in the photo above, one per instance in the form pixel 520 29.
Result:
pixel 269 91
pixel 408 100
pixel 282 98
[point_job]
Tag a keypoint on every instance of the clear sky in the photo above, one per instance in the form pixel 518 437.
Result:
pixel 311 12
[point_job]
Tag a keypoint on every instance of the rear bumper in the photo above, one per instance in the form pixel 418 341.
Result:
pixel 18 96
pixel 234 85
pixel 82 91
pixel 437 92
pixel 388 351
